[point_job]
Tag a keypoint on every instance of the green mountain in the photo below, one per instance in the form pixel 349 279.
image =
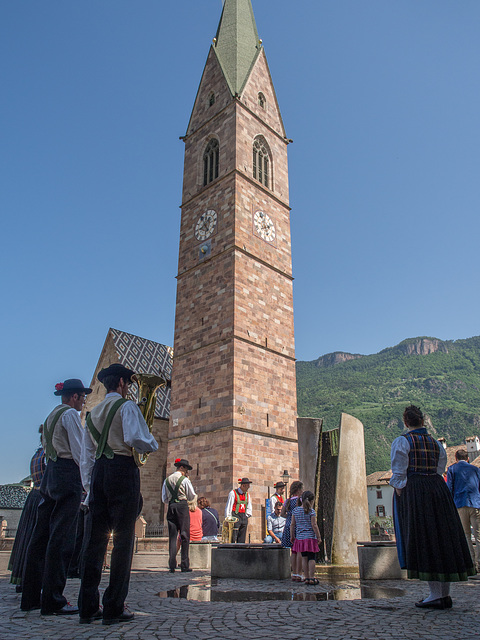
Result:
pixel 442 377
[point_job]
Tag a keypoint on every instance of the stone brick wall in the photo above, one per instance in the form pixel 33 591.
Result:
pixel 210 455
pixel 213 81
pixel 260 457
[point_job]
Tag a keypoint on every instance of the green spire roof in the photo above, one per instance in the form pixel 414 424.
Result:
pixel 237 44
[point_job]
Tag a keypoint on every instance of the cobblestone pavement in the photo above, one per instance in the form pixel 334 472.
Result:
pixel 187 606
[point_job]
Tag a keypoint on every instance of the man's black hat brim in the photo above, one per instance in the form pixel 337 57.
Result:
pixel 183 463
pixel 116 369
pixel 72 385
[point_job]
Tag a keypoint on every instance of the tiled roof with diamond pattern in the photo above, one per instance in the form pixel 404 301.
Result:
pixel 146 356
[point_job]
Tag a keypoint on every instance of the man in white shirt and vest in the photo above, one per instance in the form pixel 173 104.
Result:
pixel 52 543
pixel 176 491
pixel 239 505
pixel 112 480
pixel 278 495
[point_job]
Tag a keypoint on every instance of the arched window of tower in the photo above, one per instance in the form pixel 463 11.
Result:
pixel 211 99
pixel 210 161
pixel 261 161
pixel 261 100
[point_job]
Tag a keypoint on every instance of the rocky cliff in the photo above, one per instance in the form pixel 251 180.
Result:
pixel 331 359
pixel 419 347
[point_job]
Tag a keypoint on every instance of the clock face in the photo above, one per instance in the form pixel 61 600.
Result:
pixel 264 226
pixel 206 225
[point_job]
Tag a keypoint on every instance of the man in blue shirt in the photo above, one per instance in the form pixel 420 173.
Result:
pixel 463 480
pixel 275 524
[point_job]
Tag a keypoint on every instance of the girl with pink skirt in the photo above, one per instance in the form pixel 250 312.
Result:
pixel 305 535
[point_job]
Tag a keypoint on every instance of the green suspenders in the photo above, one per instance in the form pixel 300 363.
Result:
pixel 101 438
pixel 174 490
pixel 50 453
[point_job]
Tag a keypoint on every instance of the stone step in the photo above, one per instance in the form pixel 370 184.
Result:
pixel 337 571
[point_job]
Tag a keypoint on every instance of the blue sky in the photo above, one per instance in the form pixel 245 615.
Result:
pixel 382 101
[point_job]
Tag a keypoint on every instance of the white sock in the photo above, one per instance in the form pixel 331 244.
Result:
pixel 445 589
pixel 435 591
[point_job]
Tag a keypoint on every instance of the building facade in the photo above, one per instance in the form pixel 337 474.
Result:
pixel 380 494
pixel 233 411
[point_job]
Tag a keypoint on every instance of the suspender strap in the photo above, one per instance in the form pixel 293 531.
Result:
pixel 213 516
pixel 174 490
pixel 101 438
pixel 50 453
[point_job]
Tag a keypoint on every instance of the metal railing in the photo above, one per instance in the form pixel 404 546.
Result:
pixel 156 530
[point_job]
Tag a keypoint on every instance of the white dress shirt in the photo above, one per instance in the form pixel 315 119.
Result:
pixel 273 501
pixel 73 427
pixel 231 501
pixel 186 488
pixel 399 456
pixel 135 434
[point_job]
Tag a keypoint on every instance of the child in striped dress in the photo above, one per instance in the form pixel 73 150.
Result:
pixel 305 535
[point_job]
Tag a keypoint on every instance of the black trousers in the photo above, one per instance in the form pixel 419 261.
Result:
pixel 114 501
pixel 74 567
pixel 178 519
pixel 53 538
pixel 239 533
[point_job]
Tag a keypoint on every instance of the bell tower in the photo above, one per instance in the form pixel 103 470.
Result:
pixel 233 407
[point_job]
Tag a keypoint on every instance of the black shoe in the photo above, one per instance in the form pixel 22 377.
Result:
pixel 125 616
pixel 439 603
pixel 32 608
pixel 185 570
pixel 172 570
pixel 18 588
pixel 96 616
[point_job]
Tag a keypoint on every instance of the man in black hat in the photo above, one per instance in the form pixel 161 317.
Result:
pixel 53 538
pixel 112 478
pixel 239 505
pixel 278 495
pixel 176 491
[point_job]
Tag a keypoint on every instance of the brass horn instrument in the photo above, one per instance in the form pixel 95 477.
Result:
pixel 227 528
pixel 148 383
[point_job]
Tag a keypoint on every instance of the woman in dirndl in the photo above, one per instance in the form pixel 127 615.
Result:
pixel 431 544
pixel 27 519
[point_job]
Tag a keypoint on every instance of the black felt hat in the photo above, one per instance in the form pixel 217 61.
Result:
pixel 70 386
pixel 116 369
pixel 180 462
pixel 279 485
pixel 244 481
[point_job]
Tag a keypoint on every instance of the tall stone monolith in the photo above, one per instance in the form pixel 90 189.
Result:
pixel 332 465
pixel 351 521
